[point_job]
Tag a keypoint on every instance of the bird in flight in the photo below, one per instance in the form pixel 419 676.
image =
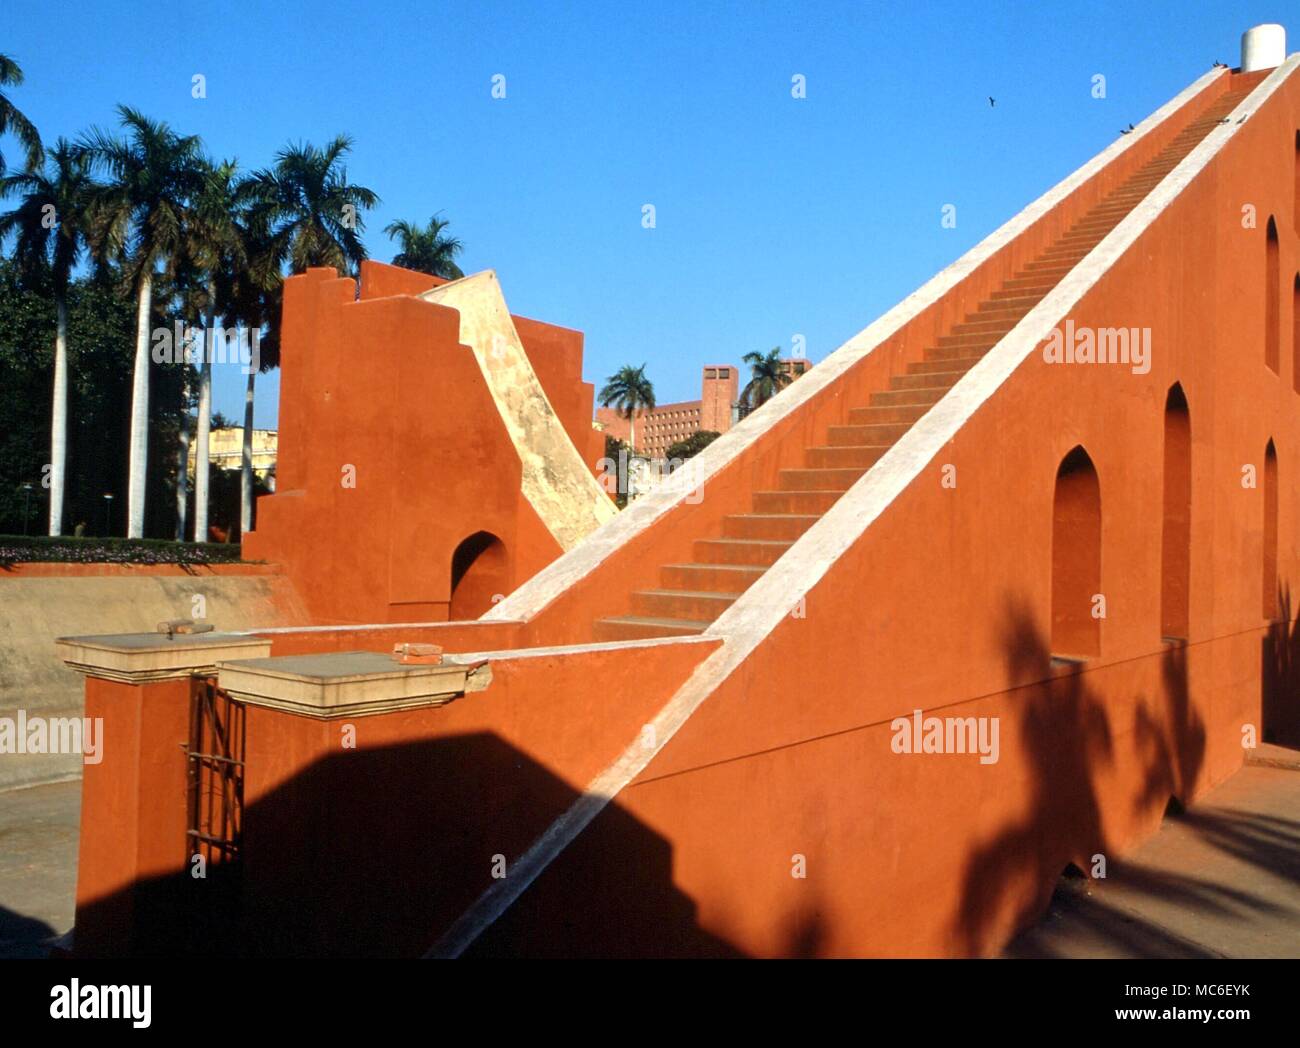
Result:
pixel 1127 130
pixel 992 101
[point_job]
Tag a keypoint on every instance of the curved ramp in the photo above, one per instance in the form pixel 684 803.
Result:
pixel 555 478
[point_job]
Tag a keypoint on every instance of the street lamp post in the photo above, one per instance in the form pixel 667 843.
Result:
pixel 108 515
pixel 27 502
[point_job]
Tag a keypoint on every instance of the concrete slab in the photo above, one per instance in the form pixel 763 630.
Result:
pixel 349 683
pixel 134 658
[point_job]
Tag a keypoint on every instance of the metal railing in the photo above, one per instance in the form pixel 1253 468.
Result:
pixel 215 765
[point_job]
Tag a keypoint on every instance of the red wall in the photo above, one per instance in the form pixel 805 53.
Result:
pixel 382 385
pixel 944 604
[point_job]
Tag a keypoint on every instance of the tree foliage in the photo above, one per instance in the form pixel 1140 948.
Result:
pixel 101 328
pixel 692 445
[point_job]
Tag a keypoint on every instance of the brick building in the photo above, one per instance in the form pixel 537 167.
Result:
pixel 663 426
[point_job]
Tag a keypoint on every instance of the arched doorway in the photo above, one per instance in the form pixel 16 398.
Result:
pixel 479 571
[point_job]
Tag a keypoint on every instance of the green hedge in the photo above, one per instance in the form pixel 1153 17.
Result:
pixel 29 549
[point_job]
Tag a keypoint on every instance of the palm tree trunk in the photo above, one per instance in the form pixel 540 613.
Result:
pixel 59 416
pixel 246 461
pixel 139 454
pixel 631 433
pixel 201 465
pixel 183 474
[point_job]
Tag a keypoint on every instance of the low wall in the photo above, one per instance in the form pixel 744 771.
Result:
pixel 40 602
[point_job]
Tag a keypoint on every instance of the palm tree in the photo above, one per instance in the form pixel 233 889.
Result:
pixel 425 249
pixel 12 120
pixel 302 212
pixel 50 226
pixel 257 302
pixel 768 376
pixel 217 247
pixel 628 390
pixel 250 292
pixel 310 209
pixel 141 216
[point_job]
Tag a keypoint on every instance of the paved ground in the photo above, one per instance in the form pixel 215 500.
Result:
pixel 1222 880
pixel 38 865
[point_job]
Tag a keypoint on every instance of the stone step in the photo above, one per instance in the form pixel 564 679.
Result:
pixel 1074 237
pixel 1019 306
pixel 983 327
pixel 1070 253
pixel 876 415
pixel 896 397
pixel 1023 284
pixel 826 479
pixel 1084 242
pixel 1053 269
pixel 977 340
pixel 856 446
pixel 710 578
pixel 945 367
pixel 640 627
pixel 955 353
pixel 942 382
pixel 850 454
pixel 781 526
pixel 794 502
pixel 1018 295
pixel 739 551
pixel 1049 263
pixel 687 605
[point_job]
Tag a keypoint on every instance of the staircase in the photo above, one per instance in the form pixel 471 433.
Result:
pixel 694 595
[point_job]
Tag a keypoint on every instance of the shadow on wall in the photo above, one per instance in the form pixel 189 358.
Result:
pixel 480 576
pixel 1280 676
pixel 1173 750
pixel 1067 731
pixel 610 894
pixel 373 853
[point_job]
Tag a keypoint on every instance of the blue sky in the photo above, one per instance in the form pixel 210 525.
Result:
pixel 774 216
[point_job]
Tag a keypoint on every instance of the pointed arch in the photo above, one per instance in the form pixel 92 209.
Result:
pixel 1272 298
pixel 1295 334
pixel 1176 529
pixel 479 572
pixel 1269 483
pixel 1076 557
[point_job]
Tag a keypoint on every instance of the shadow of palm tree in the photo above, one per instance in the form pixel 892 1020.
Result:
pixel 1065 730
pixel 1265 841
pixel 1171 739
pixel 1280 677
